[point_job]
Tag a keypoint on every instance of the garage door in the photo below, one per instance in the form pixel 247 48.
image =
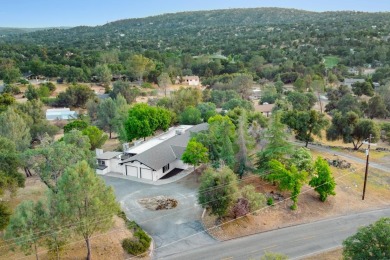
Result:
pixel 131 171
pixel 146 174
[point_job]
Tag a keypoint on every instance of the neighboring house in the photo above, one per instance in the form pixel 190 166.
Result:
pixel 350 82
pixel 151 159
pixel 60 114
pixel 256 93
pixel 353 71
pixel 265 109
pixel 118 77
pixel 191 80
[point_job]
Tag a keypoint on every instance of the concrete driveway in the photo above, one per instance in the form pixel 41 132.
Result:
pixel 167 227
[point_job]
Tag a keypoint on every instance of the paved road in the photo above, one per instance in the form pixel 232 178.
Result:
pixel 383 167
pixel 296 242
pixel 165 226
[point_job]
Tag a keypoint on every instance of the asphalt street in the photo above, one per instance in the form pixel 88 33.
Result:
pixel 296 242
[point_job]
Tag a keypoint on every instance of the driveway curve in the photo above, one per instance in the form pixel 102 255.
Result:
pixel 165 226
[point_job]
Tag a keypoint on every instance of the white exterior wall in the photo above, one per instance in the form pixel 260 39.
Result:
pixel 116 167
pixel 193 82
pixel 138 165
pixel 175 164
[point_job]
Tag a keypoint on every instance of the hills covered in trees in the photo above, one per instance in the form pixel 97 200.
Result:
pixel 206 43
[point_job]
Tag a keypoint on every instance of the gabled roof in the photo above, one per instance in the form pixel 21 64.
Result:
pixel 168 151
pixel 107 155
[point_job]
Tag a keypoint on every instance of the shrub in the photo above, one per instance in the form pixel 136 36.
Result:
pixel 140 242
pixel 270 201
pixel 256 200
pixel 49 101
pixel 241 208
pixel 137 245
pixel 146 85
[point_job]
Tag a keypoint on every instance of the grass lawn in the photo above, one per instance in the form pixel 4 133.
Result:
pixel 330 61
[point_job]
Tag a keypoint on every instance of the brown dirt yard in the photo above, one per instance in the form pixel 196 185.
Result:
pixel 104 245
pixel 347 201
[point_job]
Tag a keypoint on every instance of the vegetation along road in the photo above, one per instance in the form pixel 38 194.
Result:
pixel 296 241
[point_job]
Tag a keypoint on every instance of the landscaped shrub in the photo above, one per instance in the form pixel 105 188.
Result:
pixel 140 242
pixel 270 201
pixel 241 208
pixel 256 200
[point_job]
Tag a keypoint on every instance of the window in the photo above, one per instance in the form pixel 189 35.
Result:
pixel 166 168
pixel 101 162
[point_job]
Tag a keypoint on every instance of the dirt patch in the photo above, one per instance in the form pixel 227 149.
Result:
pixel 347 200
pixel 336 254
pixel 158 203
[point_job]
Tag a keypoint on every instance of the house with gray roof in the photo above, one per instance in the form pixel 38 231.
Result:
pixel 151 159
pixel 349 82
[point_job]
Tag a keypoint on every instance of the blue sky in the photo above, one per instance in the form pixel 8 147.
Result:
pixel 47 13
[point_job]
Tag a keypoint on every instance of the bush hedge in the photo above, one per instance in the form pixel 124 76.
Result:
pixel 140 242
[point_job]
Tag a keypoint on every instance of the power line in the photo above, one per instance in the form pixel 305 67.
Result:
pixel 219 225
pixel 200 231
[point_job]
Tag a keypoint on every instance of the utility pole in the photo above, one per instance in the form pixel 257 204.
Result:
pixel 365 175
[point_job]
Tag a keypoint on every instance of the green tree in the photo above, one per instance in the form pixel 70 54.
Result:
pixel 86 201
pixel 103 74
pixel 26 225
pixel 269 94
pixel 278 146
pixel 185 97
pixel 207 110
pixel 305 124
pixel 243 85
pixel 6 100
pixel 75 96
pixel 11 75
pixel 75 125
pixel 73 74
pixel 190 116
pixel 301 101
pixel 370 242
pixel 222 137
pixel 377 108
pixel 96 136
pixel 218 190
pixel 106 112
pixel 31 93
pixel 10 178
pixel 164 81
pixel 242 143
pixel 5 214
pixel 92 107
pixel 256 200
pixel 122 109
pixel 139 66
pixel 195 153
pixel 288 178
pixel 144 120
pixel 14 127
pixel 351 129
pixel 130 93
pixel 50 159
pixel 323 182
pixel 363 88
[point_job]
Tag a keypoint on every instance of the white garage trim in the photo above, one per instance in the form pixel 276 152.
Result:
pixel 146 174
pixel 132 171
